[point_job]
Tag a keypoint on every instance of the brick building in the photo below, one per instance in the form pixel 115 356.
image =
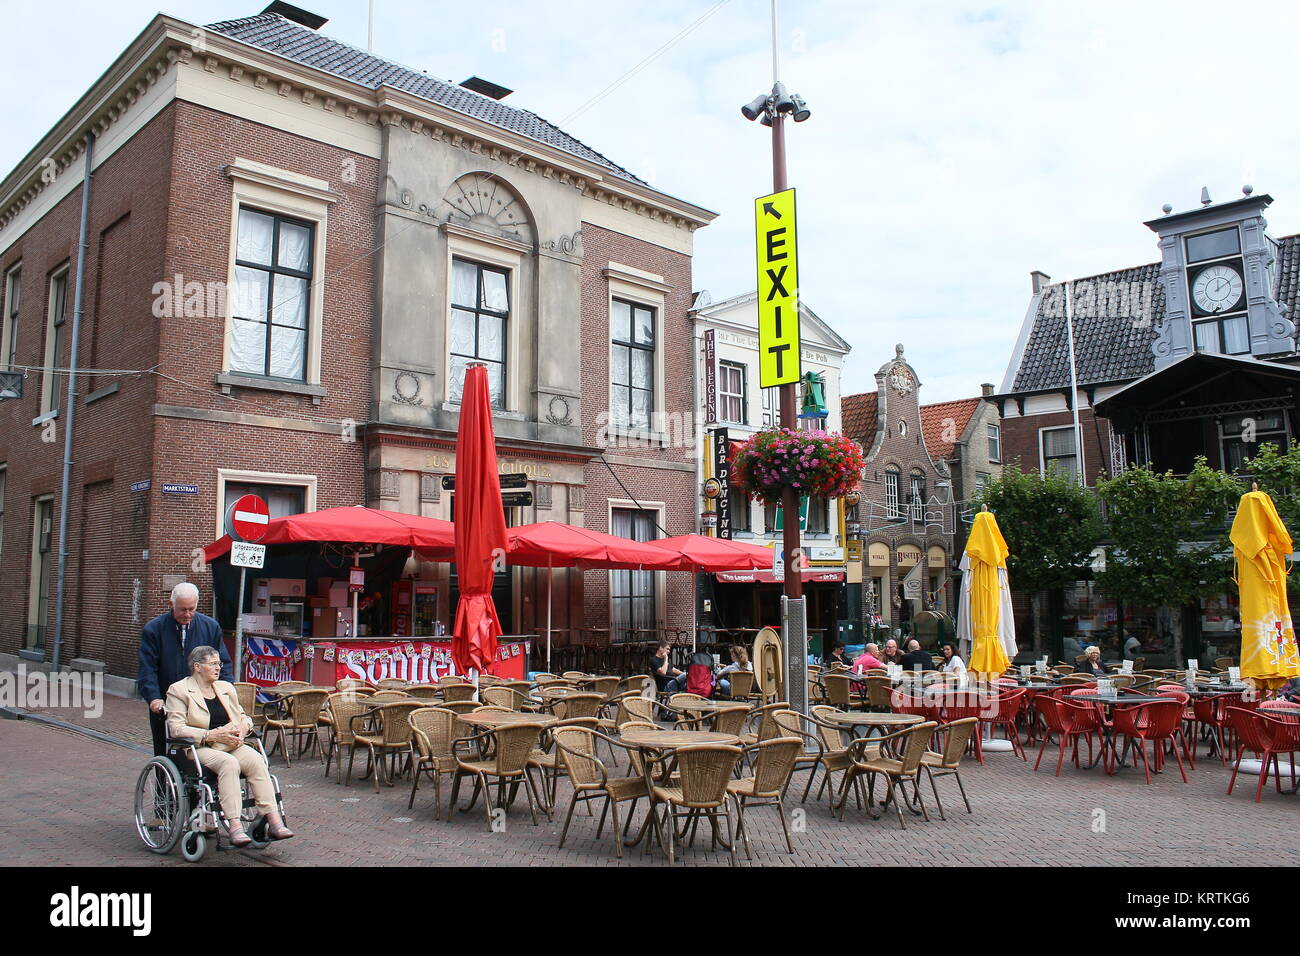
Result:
pixel 294 248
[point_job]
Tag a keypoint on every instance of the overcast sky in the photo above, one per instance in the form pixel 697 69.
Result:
pixel 953 148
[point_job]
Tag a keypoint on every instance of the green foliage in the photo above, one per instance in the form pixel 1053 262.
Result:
pixel 1050 523
pixel 1169 534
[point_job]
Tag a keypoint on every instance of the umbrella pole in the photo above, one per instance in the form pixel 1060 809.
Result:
pixel 549 568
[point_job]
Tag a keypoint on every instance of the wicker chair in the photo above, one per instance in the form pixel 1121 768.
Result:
pixel 636 682
pixel 389 696
pixel 391 736
pixel 341 709
pixel 576 746
pixel 507 764
pixel 866 757
pixel 392 683
pixel 700 790
pixel 301 720
pixel 947 761
pixel 500 696
pixel 774 763
pixel 457 691
pixel 791 723
pixel 353 684
pixel 880 692
pixel 1063 668
pixel 606 686
pixel 460 706
pixel 433 734
pixel 576 705
pixel 248 701
pixel 423 691
pixel 741 685
pixel 839 691
pixel 761 723
pixel 834 755
pixel 292 685
pixel 545 759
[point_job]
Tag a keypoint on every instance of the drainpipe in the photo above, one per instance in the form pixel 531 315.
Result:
pixel 70 406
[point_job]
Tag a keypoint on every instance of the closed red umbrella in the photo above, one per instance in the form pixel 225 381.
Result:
pixel 716 554
pixel 480 528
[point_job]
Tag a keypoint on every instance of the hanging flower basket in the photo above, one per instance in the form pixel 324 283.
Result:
pixel 815 463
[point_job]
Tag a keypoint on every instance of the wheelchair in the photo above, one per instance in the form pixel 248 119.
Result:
pixel 176 802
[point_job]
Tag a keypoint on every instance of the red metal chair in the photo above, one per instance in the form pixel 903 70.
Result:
pixel 1157 721
pixel 1008 707
pixel 1266 736
pixel 1069 721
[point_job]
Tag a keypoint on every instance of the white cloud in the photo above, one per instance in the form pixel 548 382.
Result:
pixel 954 147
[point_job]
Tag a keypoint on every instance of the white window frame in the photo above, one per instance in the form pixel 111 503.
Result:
pixel 661 577
pixel 771 406
pixel 994 434
pixel 894 508
pixel 741 397
pixel 50 361
pixel 262 188
pixel 1042 447
pixel 649 290
pixel 9 329
pixel 227 476
pixel 497 254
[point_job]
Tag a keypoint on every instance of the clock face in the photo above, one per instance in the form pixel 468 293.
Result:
pixel 1217 289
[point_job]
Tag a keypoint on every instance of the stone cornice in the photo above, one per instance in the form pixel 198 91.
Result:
pixel 159 46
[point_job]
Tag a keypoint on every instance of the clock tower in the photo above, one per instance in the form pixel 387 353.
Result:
pixel 1218 275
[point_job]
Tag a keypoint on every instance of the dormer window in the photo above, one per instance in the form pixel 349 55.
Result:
pixel 1216 290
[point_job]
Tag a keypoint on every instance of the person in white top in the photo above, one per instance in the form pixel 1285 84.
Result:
pixel 952 664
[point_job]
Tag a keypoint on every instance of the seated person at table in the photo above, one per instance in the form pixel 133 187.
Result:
pixel 837 656
pixel 1132 648
pixel 664 674
pixel 952 664
pixel 206 710
pixel 916 659
pixel 1092 664
pixel 892 654
pixel 869 658
pixel 1070 649
pixel 1290 691
pixel 739 662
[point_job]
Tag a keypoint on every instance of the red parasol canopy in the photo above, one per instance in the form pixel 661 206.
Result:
pixel 433 537
pixel 480 528
pixel 556 545
pixel 716 554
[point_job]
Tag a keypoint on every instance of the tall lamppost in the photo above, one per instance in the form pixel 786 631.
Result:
pixel 771 109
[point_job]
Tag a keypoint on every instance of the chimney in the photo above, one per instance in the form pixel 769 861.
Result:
pixel 987 389
pixel 1039 280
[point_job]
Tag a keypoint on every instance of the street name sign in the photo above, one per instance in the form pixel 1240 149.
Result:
pixel 778 290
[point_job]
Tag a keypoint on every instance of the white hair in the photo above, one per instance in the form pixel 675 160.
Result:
pixel 185 589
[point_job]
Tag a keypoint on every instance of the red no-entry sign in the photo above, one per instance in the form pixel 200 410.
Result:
pixel 247 518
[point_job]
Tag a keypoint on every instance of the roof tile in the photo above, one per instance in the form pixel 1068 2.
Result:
pixel 944 422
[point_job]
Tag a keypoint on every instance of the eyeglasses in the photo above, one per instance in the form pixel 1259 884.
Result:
pixel 216 662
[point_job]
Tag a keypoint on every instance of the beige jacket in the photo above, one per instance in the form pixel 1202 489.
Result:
pixel 187 710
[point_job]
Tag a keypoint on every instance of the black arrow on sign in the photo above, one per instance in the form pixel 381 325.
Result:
pixel 771 210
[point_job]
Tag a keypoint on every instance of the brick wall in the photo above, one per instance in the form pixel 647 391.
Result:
pixel 675 489
pixel 1020 440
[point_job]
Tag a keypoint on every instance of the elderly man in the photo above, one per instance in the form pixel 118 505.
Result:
pixel 870 658
pixel 917 659
pixel 165 646
pixel 892 654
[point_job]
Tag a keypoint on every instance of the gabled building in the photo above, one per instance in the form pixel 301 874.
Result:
pixel 1193 355
pixel 906 515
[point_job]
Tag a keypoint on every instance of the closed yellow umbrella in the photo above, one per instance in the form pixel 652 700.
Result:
pixel 1260 546
pixel 987 551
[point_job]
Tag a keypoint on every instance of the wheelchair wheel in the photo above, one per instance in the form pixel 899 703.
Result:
pixel 161 805
pixel 194 846
pixel 256 831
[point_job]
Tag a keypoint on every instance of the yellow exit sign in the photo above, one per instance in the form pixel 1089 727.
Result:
pixel 778 290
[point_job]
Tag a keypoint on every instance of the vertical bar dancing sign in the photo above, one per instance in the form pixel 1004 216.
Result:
pixel 722 472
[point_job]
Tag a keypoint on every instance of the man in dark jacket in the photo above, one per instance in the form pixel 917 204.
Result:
pixel 165 644
pixel 915 658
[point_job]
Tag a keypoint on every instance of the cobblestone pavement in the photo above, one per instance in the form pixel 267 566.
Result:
pixel 66 799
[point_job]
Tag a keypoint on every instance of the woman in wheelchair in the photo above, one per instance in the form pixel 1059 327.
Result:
pixel 206 711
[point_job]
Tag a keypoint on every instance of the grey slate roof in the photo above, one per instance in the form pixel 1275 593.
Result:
pixel 275 34
pixel 1117 316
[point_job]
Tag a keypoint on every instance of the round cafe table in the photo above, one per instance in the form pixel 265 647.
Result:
pixel 848 720
pixel 491 720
